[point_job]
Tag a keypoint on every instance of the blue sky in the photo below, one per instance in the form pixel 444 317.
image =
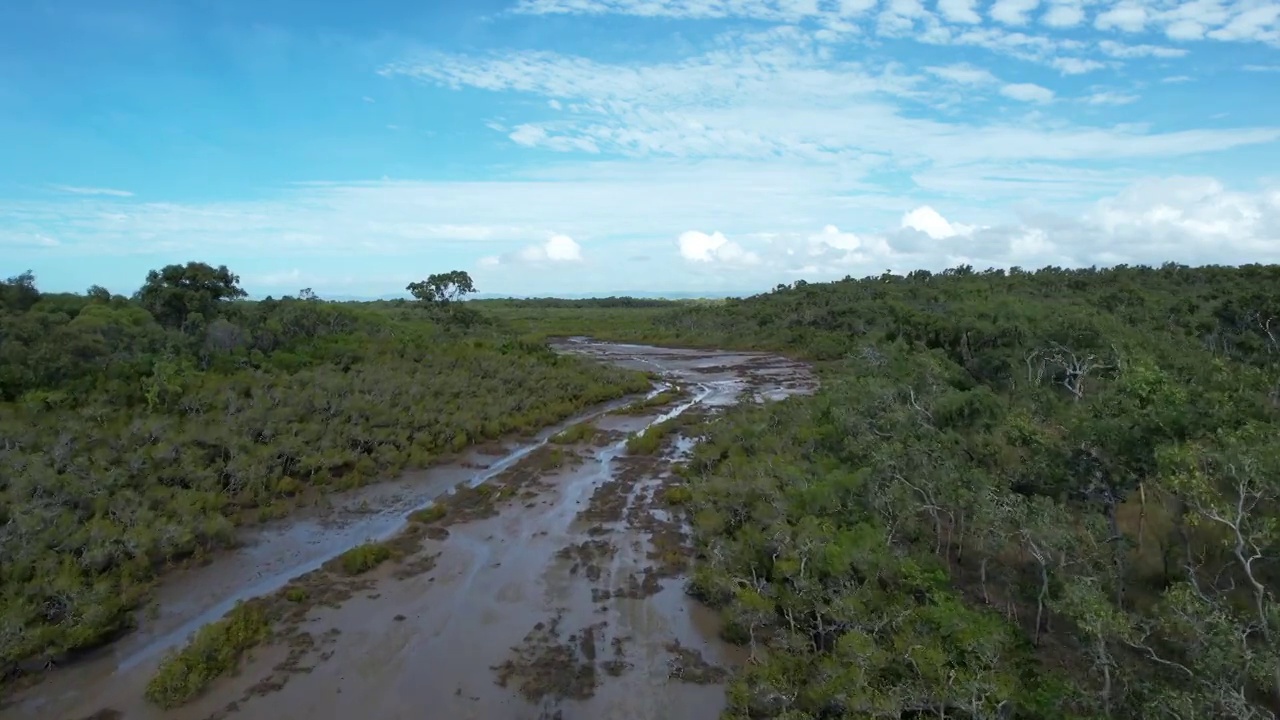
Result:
pixel 599 146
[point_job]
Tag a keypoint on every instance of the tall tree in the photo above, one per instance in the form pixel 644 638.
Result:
pixel 175 293
pixel 442 288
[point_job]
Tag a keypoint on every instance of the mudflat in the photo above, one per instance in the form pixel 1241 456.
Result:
pixel 550 586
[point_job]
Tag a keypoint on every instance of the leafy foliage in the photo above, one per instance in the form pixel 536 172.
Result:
pixel 1018 494
pixel 363 558
pixel 216 649
pixel 138 433
pixel 442 288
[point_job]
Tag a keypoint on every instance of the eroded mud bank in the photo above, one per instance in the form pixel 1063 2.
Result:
pixel 555 593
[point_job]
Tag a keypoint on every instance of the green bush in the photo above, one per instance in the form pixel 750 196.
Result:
pixel 429 514
pixel 216 649
pixel 363 558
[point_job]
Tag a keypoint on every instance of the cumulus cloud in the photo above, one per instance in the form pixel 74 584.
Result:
pixel 1063 15
pixel 1027 92
pixel 1192 220
pixel 959 11
pixel 699 247
pixel 557 249
pixel 1127 15
pixel 1013 12
pixel 1076 66
pixel 930 222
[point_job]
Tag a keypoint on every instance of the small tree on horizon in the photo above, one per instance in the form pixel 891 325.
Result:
pixel 442 288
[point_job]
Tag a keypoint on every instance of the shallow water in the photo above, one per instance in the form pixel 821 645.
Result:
pixel 426 645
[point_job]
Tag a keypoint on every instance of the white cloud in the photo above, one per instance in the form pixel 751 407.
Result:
pixel 1175 79
pixel 928 221
pixel 964 74
pixel 831 237
pixel 1183 20
pixel 1013 12
pixel 1063 15
pixel 535 136
pixel 780 97
pixel 1262 68
pixel 959 11
pixel 1252 22
pixel 1150 222
pixel 77 190
pixel 558 248
pixel 1119 50
pixel 700 247
pixel 1110 98
pixel 1127 15
pixel 1027 92
pixel 1076 66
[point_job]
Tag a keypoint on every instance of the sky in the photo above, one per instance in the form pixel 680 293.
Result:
pixel 631 146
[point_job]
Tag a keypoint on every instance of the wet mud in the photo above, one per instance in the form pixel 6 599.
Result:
pixel 542 580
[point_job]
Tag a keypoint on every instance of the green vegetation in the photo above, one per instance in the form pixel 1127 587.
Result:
pixel 649 440
pixel 659 399
pixel 429 514
pixel 363 558
pixel 216 649
pixel 136 433
pixel 578 433
pixel 1030 495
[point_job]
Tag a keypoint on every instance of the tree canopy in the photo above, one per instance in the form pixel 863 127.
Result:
pixel 176 294
pixel 442 288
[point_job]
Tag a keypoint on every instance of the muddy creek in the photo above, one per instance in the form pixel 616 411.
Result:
pixel 553 588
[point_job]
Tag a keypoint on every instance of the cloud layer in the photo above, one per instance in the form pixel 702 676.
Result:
pixel 764 141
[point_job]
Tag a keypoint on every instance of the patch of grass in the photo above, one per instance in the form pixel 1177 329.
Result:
pixel 574 434
pixel 429 514
pixel 216 649
pixel 296 594
pixel 555 459
pixel 676 494
pixel 666 397
pixel 650 440
pixel 363 558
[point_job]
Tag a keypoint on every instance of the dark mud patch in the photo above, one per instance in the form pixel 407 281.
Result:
pixel 587 556
pixel 104 714
pixel 610 501
pixel 547 666
pixel 616 665
pixel 639 585
pixel 688 665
